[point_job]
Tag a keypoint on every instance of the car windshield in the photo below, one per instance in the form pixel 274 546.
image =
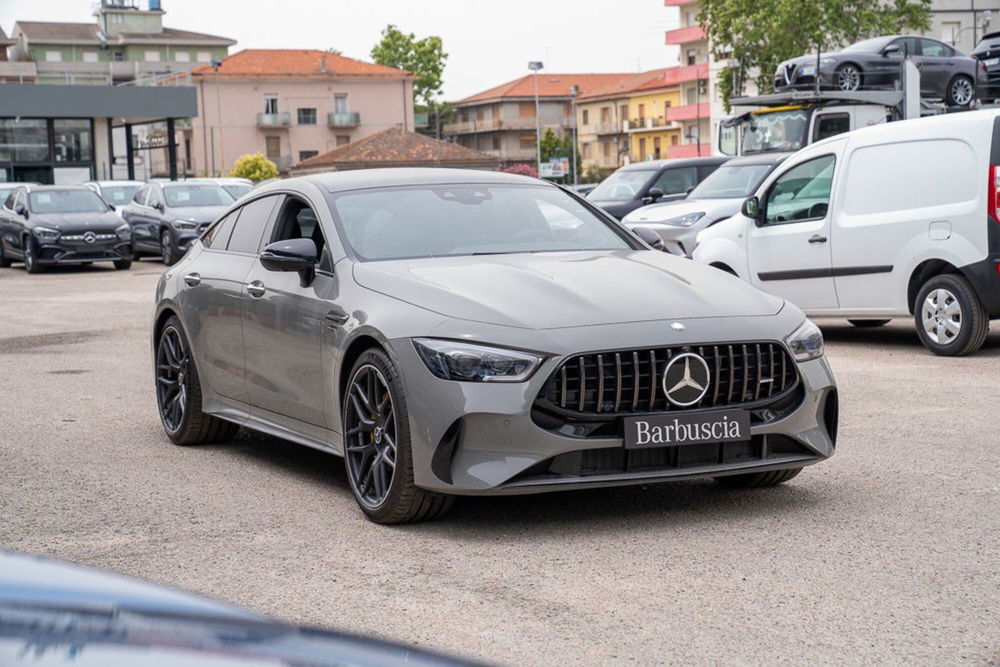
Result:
pixel 622 185
pixel 237 190
pixel 119 194
pixel 66 201
pixel 731 181
pixel 181 196
pixel 4 193
pixel 873 45
pixel 447 220
pixel 774 131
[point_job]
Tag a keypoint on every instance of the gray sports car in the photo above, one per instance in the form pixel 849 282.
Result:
pixel 945 73
pixel 456 332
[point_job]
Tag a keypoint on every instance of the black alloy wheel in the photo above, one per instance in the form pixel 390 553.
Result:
pixel 168 252
pixel 31 264
pixel 4 260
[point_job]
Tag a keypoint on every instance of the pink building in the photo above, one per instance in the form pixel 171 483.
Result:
pixel 289 104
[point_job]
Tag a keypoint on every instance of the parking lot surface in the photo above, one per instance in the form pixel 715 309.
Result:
pixel 887 552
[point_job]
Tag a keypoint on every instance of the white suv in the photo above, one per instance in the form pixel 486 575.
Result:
pixel 888 221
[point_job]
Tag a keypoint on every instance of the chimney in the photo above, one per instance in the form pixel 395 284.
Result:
pixel 322 64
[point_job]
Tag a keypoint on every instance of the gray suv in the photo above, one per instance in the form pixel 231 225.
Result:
pixel 452 332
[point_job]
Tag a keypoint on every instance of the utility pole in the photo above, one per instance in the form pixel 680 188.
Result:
pixel 534 66
pixel 573 92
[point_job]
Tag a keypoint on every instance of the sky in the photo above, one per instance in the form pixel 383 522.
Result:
pixel 488 41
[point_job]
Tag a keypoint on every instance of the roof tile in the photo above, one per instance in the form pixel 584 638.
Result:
pixel 397 147
pixel 549 85
pixel 296 62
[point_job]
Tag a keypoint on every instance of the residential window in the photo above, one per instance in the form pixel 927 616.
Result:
pixel 496 143
pixel 270 104
pixel 605 114
pixel 586 151
pixel 305 155
pixel 340 103
pixel 526 110
pixel 526 141
pixel 692 56
pixel 674 140
pixel 203 56
pixel 642 148
pixel 949 30
pixel 118 56
pixel 307 116
pixel 90 56
pixel 642 112
pixel 692 95
pixel 152 56
pixel 480 113
pixel 53 56
pixel 606 148
pixel 343 139
pixel 272 147
pixel 624 111
pixel 586 116
pixel 656 148
pixel 182 56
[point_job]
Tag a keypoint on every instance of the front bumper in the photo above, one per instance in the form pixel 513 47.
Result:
pixel 481 439
pixel 63 251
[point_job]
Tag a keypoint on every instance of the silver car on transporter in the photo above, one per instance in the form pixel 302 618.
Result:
pixel 458 332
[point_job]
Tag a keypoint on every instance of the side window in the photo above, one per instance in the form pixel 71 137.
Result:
pixel 140 195
pixel 9 202
pixel 20 199
pixel 908 46
pixel 831 124
pixel 217 236
pixel 929 47
pixel 297 220
pixel 154 198
pixel 801 193
pixel 253 218
pixel 677 181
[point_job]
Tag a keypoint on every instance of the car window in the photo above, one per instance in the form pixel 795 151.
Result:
pixel 9 200
pixel 933 49
pixel 908 46
pixel 297 220
pixel 154 198
pixel 140 196
pixel 677 181
pixel 237 190
pixel 830 125
pixel 202 194
pixel 118 194
pixel 802 192
pixel 622 185
pixel 66 201
pixel 249 228
pixel 217 236
pixel 732 181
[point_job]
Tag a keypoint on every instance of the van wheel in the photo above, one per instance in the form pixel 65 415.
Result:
pixel 961 91
pixel 869 324
pixel 950 320
pixel 758 479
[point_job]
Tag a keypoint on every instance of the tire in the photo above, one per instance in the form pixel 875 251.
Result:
pixel 758 479
pixel 961 91
pixel 136 256
pixel 31 264
pixel 847 78
pixel 381 430
pixel 123 264
pixel 168 253
pixel 948 298
pixel 190 426
pixel 869 324
pixel 4 260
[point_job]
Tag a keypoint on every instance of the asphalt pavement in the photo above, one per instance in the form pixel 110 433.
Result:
pixel 889 552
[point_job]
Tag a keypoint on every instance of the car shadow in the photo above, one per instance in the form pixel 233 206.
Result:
pixel 898 333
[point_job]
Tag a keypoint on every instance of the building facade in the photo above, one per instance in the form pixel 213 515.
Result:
pixel 290 105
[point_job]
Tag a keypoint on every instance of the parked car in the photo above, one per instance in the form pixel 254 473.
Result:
pixel 167 216
pixel 987 52
pixel 116 193
pixel 433 327
pixel 643 183
pixel 945 73
pixel 889 221
pixel 237 187
pixel 7 187
pixel 718 197
pixel 43 225
pixel 54 613
pixel 582 189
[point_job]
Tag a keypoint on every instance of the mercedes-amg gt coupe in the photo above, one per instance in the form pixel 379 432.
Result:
pixel 454 332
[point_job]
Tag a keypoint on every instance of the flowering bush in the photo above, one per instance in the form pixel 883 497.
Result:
pixel 522 169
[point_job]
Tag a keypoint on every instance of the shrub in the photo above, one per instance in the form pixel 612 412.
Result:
pixel 254 166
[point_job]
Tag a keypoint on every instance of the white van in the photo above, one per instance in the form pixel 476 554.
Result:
pixel 889 221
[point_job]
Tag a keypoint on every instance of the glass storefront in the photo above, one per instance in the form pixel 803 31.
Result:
pixel 44 149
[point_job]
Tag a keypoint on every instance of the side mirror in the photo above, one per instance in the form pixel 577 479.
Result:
pixel 653 195
pixel 892 49
pixel 751 209
pixel 111 207
pixel 159 206
pixel 650 237
pixel 292 255
pixel 19 209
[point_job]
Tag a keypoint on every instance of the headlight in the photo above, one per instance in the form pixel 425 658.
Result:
pixel 467 362
pixel 806 342
pixel 181 223
pixel 46 234
pixel 123 231
pixel 685 220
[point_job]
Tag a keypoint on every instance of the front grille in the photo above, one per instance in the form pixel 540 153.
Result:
pixel 607 384
pixel 81 237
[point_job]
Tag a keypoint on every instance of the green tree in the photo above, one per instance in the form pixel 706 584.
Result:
pixel 254 166
pixel 424 58
pixel 553 145
pixel 759 35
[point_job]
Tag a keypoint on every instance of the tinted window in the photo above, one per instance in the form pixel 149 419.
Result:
pixel 928 47
pixel 181 196
pixel 66 201
pixel 829 125
pixel 391 223
pixel 250 226
pixel 908 45
pixel 217 237
pixel 297 220
pixel 677 181
pixel 622 185
pixel 802 192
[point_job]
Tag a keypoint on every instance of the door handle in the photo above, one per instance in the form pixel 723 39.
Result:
pixel 192 279
pixel 816 238
pixel 256 289
pixel 336 318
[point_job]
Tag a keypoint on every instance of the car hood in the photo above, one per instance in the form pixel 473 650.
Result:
pixel 566 289
pixel 95 221
pixel 714 209
pixel 198 213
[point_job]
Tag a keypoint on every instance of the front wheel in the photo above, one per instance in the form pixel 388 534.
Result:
pixel 759 479
pixel 377 451
pixel 869 324
pixel 167 251
pixel 31 264
pixel 961 92
pixel 847 78
pixel 950 319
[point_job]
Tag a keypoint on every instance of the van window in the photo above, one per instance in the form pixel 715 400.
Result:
pixel 910 175
pixel 830 125
pixel 802 192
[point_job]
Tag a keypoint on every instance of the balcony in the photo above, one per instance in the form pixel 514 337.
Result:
pixel 345 120
pixel 17 72
pixel 692 33
pixel 650 124
pixel 271 121
pixel 689 112
pixel 607 128
pixel 689 150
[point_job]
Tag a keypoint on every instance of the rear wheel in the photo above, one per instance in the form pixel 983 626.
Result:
pixel 758 479
pixel 950 319
pixel 377 451
pixel 847 78
pixel 167 252
pixel 961 91
pixel 31 264
pixel 123 264
pixel 869 324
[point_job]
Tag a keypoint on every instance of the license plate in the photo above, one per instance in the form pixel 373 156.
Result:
pixel 992 62
pixel 807 71
pixel 670 430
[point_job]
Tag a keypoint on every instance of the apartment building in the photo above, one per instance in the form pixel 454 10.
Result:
pixel 290 105
pixel 124 43
pixel 501 121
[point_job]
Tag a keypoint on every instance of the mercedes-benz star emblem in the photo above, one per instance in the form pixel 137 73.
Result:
pixel 89 237
pixel 686 379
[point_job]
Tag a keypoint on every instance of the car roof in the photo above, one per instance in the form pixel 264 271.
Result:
pixel 356 179
pixel 759 158
pixel 674 162
pixel 42 188
pixel 112 183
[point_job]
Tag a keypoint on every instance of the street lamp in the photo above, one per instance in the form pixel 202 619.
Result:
pixel 573 92
pixel 534 66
